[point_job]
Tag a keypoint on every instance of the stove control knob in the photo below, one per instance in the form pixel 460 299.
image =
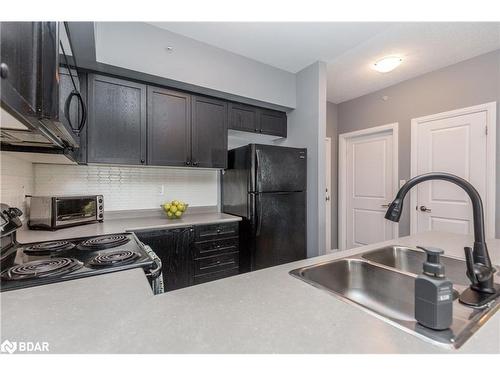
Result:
pixel 14 212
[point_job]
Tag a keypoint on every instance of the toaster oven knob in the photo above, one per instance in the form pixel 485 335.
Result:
pixel 100 216
pixel 100 207
pixel 4 70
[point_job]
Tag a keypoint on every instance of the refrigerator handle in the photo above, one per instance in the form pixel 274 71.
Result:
pixel 257 153
pixel 251 209
pixel 256 170
pixel 259 221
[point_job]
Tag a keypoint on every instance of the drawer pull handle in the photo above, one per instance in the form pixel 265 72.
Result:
pixel 215 264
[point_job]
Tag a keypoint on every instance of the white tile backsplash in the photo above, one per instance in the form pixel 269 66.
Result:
pixel 17 180
pixel 128 188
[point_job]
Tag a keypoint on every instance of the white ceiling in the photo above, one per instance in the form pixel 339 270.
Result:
pixel 348 47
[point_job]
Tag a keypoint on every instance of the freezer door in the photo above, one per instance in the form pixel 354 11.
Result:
pixel 280 229
pixel 280 169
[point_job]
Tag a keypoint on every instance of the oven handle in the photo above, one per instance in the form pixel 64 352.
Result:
pixel 155 272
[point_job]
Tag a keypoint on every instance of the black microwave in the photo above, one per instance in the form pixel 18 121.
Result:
pixel 32 91
pixel 51 213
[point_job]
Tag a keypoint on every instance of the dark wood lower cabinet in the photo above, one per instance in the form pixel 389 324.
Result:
pixel 173 247
pixel 195 255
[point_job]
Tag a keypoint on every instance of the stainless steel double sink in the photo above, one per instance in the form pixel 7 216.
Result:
pixel 381 282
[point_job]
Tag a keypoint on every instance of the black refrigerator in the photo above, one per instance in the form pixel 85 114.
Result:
pixel 266 186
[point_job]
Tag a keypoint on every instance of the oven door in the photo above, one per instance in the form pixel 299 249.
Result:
pixel 70 211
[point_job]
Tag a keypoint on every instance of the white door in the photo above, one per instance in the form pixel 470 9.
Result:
pixel 370 175
pixel 328 200
pixel 455 144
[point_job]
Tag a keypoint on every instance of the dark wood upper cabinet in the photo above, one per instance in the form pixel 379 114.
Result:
pixel 169 127
pixel 257 120
pixel 131 123
pixel 117 121
pixel 209 132
pixel 272 122
pixel 242 117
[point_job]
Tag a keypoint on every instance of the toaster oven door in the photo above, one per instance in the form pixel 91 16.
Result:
pixel 74 210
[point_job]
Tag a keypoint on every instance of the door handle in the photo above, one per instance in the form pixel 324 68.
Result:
pixel 384 205
pixel 424 209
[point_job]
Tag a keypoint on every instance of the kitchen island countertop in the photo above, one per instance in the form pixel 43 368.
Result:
pixel 266 311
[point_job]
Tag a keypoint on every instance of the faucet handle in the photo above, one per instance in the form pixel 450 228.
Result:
pixel 469 261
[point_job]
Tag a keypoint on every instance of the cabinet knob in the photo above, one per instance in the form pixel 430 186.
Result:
pixel 195 163
pixel 143 161
pixel 188 163
pixel 4 70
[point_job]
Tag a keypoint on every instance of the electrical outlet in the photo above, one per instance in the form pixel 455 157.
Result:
pixel 161 190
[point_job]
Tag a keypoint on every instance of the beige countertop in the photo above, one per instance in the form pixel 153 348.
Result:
pixel 266 311
pixel 141 221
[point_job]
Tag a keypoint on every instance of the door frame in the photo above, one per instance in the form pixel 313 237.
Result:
pixel 342 174
pixel 328 213
pixel 490 109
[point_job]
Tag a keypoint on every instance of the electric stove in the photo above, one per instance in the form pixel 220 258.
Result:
pixel 33 264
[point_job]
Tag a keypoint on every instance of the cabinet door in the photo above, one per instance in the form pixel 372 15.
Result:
pixel 174 248
pixel 272 122
pixel 75 111
pixel 242 117
pixel 169 127
pixel 117 121
pixel 209 133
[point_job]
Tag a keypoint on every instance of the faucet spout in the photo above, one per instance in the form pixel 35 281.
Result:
pixel 479 258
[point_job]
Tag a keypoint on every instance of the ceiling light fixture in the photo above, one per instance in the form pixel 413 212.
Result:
pixel 387 64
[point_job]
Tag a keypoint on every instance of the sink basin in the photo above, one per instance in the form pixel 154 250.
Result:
pixel 410 260
pixel 382 281
pixel 386 292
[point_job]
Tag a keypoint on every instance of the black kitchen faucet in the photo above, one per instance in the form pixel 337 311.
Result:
pixel 479 269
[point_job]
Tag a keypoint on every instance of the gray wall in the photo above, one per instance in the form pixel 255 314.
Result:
pixel 142 47
pixel 468 83
pixel 307 128
pixel 332 132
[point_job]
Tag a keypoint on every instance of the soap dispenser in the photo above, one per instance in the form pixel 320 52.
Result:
pixel 433 293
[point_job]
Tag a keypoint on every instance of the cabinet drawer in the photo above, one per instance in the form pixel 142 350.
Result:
pixel 200 279
pixel 216 231
pixel 215 263
pixel 218 247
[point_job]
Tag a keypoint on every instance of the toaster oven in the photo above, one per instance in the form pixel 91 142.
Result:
pixel 51 213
